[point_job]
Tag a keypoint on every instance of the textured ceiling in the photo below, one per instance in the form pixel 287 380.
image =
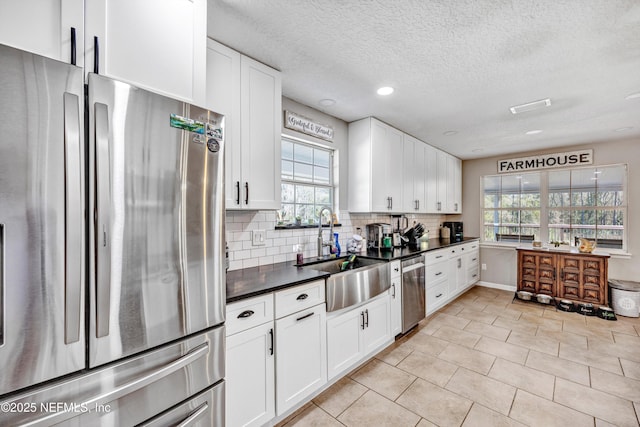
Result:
pixel 456 65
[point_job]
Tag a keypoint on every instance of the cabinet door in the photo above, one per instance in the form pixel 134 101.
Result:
pixel 301 361
pixel 377 330
pixel 537 272
pixel 396 306
pixel 44 27
pixel 441 189
pixel 223 96
pixel 261 126
pixel 250 379
pixel 160 46
pixel 413 169
pixel 344 341
pixel 431 179
pixel 454 184
pixel 386 160
pixel 457 275
pixel 582 278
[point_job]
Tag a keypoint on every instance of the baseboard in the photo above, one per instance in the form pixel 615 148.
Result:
pixel 496 286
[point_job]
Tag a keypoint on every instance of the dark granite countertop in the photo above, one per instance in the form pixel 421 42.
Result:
pixel 250 282
pixel 406 252
pixel 254 281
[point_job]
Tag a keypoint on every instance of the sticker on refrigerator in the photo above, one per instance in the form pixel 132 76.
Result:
pixel 214 132
pixel 187 124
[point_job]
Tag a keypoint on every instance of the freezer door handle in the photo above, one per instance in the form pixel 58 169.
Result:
pixel 131 386
pixel 194 416
pixel 103 198
pixel 73 219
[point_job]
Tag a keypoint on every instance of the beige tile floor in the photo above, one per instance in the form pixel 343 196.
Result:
pixel 485 360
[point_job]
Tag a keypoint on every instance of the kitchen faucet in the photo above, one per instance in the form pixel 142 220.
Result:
pixel 321 242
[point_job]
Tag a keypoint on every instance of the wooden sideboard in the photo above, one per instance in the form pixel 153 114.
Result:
pixel 564 274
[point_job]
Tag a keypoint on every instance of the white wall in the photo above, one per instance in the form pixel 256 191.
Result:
pixel 502 263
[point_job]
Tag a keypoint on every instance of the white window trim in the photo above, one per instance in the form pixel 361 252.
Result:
pixel 332 169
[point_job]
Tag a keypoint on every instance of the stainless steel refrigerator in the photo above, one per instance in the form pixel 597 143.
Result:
pixel 112 278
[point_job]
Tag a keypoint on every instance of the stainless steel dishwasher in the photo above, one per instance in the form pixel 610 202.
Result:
pixel 413 302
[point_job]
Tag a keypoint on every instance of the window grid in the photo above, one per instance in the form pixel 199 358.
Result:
pixel 307 182
pixel 575 204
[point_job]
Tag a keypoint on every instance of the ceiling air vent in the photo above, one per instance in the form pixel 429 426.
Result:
pixel 530 106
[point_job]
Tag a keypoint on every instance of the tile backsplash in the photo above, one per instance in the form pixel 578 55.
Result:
pixel 279 244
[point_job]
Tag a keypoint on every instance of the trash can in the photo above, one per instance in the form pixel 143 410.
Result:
pixel 625 297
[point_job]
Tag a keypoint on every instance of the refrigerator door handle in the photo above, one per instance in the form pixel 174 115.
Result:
pixel 73 219
pixel 194 416
pixel 103 196
pixel 73 46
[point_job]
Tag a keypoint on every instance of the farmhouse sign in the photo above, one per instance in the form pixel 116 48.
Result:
pixel 546 161
pixel 305 125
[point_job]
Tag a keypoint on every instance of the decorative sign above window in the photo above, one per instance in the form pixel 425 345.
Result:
pixel 546 161
pixel 305 125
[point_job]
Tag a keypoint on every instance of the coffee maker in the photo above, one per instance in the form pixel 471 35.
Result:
pixel 455 230
pixel 379 236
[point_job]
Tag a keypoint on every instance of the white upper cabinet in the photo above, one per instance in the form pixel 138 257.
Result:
pixel 454 184
pixel 44 27
pixel 249 94
pixel 156 45
pixel 375 162
pixel 414 175
pixel 443 182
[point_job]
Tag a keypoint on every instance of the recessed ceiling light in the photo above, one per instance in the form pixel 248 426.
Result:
pixel 633 96
pixel 327 102
pixel 386 90
pixel 624 129
pixel 530 106
pixel 533 132
pixel 450 132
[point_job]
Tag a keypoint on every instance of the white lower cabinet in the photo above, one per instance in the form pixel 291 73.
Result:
pixel 449 272
pixel 301 352
pixel 356 333
pixel 250 362
pixel 250 377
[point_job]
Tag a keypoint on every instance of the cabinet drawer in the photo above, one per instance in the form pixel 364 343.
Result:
pixel 473 275
pixel 436 256
pixel 436 272
pixel 437 296
pixel 298 298
pixel 248 313
pixel 395 269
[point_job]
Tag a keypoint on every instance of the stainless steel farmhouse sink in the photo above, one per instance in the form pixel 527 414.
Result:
pixel 363 280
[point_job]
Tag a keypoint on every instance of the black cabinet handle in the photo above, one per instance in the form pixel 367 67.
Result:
pixel 304 317
pixel 394 291
pixel 245 314
pixel 396 269
pixel 439 256
pixel 366 315
pixel 438 296
pixel 362 318
pixel 271 342
pixel 96 55
pixel 237 192
pixel 438 273
pixel 73 46
pixel 302 297
pixel 246 193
